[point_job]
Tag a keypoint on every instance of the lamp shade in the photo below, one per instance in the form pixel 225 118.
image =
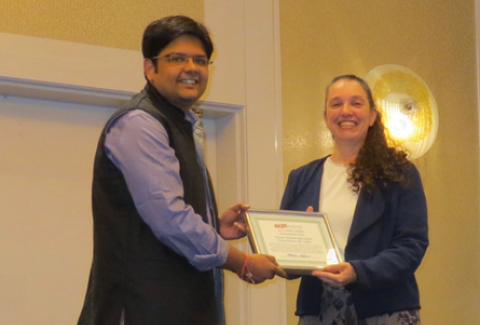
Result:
pixel 407 105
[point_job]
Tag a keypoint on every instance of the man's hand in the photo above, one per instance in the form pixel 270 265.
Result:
pixel 337 275
pixel 232 222
pixel 263 267
pixel 253 268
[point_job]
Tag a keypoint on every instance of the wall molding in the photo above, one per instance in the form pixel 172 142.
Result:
pixel 75 94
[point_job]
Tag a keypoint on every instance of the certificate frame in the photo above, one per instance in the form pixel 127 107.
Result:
pixel 300 241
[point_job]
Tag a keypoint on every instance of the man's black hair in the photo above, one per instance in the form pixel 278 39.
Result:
pixel 161 32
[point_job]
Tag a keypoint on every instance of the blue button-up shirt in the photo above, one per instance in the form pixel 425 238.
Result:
pixel 138 145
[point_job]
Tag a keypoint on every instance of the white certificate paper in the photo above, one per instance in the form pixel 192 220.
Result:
pixel 300 241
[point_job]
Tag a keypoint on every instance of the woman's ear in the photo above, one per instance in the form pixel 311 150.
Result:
pixel 373 116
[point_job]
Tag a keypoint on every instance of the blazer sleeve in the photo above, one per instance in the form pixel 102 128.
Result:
pixel 401 250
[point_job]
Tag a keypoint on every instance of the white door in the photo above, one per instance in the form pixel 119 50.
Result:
pixel 47 151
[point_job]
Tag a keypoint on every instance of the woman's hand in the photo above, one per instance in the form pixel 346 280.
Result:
pixel 337 275
pixel 232 222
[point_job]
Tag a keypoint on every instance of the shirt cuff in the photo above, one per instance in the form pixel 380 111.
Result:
pixel 210 261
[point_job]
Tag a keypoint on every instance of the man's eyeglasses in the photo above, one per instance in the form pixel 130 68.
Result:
pixel 180 59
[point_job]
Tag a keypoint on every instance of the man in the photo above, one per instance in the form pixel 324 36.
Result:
pixel 158 243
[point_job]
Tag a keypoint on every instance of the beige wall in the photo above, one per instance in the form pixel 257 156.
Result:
pixel 117 24
pixel 435 39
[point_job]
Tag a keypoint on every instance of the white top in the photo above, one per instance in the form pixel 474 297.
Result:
pixel 337 200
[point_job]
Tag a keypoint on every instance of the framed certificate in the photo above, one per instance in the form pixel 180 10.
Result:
pixel 300 241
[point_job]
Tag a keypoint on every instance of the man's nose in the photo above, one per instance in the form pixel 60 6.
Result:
pixel 191 65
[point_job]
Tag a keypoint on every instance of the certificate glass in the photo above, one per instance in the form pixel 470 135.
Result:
pixel 300 241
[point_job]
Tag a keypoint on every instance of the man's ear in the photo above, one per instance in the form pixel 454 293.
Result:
pixel 148 69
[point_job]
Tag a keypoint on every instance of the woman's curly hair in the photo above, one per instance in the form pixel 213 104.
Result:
pixel 377 163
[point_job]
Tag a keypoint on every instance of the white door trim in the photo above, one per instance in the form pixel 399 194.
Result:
pixel 247 39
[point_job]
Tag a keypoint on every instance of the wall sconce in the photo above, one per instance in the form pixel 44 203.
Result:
pixel 407 105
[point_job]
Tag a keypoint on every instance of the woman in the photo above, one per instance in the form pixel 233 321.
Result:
pixel 376 206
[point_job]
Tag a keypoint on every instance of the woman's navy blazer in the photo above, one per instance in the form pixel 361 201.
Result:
pixel 386 243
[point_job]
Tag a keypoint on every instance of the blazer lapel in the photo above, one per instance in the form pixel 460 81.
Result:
pixel 312 190
pixel 307 188
pixel 366 213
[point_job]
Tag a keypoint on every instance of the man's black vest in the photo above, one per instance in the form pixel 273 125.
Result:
pixel 132 271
